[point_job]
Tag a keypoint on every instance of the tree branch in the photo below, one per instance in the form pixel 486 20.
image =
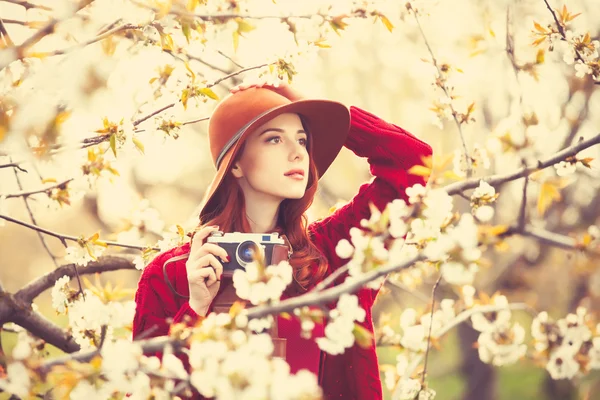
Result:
pixel 45 329
pixel 495 180
pixel 104 264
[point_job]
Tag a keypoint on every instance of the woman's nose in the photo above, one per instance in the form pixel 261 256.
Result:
pixel 297 151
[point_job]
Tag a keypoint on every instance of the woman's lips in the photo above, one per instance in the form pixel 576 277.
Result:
pixel 296 176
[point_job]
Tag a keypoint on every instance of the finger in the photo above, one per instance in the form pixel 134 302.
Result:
pixel 200 236
pixel 211 260
pixel 215 249
pixel 204 275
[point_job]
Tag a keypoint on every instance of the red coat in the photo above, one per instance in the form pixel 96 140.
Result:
pixel 390 151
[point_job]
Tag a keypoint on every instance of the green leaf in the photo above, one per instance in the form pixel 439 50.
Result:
pixel 138 144
pixel 363 336
pixel 113 144
pixel 209 93
pixel 185 28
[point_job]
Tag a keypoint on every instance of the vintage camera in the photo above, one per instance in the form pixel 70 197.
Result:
pixel 243 248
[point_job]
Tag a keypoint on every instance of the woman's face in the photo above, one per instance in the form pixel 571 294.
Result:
pixel 270 153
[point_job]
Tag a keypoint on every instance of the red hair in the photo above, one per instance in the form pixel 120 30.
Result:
pixel 228 211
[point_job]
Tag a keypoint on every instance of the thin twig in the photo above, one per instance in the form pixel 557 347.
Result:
pixel 4 35
pixel 523 211
pixel 430 326
pixel 40 34
pixel 27 4
pixel 445 89
pixel 62 237
pixel 32 192
pixel 90 41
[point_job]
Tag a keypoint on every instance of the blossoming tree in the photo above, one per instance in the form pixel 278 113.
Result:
pixel 94 91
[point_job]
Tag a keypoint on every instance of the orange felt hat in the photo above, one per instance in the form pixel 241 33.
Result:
pixel 240 113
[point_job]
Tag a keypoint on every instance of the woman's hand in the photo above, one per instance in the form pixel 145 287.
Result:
pixel 204 270
pixel 281 87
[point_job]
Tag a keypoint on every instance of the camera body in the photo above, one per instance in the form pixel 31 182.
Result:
pixel 242 247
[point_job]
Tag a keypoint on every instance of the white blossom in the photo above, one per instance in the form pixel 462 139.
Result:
pixel 60 293
pixel 250 286
pixel 484 213
pixel 398 212
pixel 17 379
pixel 456 273
pixel 415 193
pixel 495 349
pixel 407 389
pixel 81 255
pixel 562 365
pixel 483 190
pixel 493 322
pixel 439 206
pixel 564 168
pixel 339 332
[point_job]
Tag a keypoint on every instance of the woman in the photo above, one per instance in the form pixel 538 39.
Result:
pixel 270 148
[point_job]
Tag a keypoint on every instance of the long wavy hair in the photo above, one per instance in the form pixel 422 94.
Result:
pixel 228 211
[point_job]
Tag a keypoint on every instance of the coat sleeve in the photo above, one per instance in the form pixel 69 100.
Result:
pixel 390 151
pixel 156 307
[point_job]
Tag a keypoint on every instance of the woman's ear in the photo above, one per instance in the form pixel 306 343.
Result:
pixel 236 170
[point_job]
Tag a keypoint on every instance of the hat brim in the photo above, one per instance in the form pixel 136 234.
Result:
pixel 328 123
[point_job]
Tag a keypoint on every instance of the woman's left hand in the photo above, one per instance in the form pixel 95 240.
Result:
pixel 282 88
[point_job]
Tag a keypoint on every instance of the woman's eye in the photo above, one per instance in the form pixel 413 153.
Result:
pixel 303 142
pixel 274 137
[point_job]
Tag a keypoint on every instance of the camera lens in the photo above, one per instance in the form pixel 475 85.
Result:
pixel 245 252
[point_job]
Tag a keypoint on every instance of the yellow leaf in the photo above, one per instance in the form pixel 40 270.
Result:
pixel 113 144
pixel 572 17
pixel 164 6
pixel 236 40
pixel 191 5
pixel 49 180
pixel 184 98
pixel 138 144
pixel 386 22
pixel 549 193
pixel 153 80
pixel 109 46
pixel 539 58
pixel 539 28
pixel 419 170
pixel 244 26
pixel 180 231
pixel 94 237
pixel 537 42
pixel 322 44
pixel 187 66
pixel 236 308
pixel 209 93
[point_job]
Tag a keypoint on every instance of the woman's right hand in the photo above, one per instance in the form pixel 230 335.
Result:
pixel 204 270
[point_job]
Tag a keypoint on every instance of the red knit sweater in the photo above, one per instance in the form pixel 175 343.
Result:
pixel 390 151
